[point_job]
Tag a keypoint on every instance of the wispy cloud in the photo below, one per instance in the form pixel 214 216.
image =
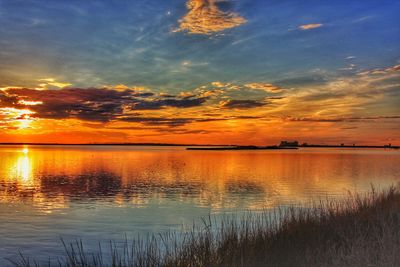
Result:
pixel 262 86
pixel 51 82
pixel 343 119
pixel 380 71
pixel 226 86
pixel 267 87
pixel 241 104
pixel 370 94
pixel 205 17
pixel 310 26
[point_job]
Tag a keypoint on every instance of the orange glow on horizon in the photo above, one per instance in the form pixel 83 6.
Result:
pixel 231 113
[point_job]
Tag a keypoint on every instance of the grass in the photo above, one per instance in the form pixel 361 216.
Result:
pixel 359 231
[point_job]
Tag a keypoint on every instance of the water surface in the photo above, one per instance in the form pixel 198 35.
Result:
pixel 99 193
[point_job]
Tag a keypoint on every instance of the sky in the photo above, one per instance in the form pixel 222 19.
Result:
pixel 200 71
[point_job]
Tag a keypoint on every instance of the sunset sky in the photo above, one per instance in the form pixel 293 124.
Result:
pixel 200 71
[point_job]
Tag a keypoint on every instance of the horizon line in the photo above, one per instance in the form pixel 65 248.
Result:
pixel 179 144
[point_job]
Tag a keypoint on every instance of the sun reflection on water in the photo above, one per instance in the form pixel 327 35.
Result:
pixel 53 177
pixel 23 167
pixel 25 150
pixel 20 182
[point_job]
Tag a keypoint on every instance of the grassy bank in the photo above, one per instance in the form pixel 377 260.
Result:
pixel 360 231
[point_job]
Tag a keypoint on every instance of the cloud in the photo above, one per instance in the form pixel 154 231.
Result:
pixel 262 86
pixel 343 119
pixel 226 86
pixel 205 17
pixel 267 87
pixel 391 69
pixel 210 93
pixel 340 99
pixel 92 104
pixel 49 82
pixel 176 121
pixel 172 122
pixel 218 84
pixel 241 104
pixel 122 104
pixel 154 121
pixel 310 26
pixel 347 97
pixel 163 103
pixel 169 130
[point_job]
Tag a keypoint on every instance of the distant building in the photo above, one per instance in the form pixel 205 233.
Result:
pixel 289 144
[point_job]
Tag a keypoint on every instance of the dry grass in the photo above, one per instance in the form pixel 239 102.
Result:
pixel 360 231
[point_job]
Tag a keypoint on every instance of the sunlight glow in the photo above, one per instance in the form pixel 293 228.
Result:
pixel 21 117
pixel 25 123
pixel 15 111
pixel 52 82
pixel 23 168
pixel 30 103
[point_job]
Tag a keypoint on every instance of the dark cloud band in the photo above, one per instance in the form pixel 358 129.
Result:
pixel 92 104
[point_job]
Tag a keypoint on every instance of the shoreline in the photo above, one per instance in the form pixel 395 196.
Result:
pixel 243 148
pixel 208 147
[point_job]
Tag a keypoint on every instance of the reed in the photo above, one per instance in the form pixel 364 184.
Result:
pixel 363 230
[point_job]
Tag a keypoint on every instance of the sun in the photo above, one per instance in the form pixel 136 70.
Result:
pixel 25 122
pixel 20 118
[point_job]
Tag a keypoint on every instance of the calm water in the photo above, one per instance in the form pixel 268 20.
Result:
pixel 102 193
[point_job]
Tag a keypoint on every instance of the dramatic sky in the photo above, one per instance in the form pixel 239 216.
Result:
pixel 200 71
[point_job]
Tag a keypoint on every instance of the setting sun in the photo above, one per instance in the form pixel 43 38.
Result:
pixel 25 122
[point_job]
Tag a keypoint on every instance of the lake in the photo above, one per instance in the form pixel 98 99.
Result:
pixel 102 193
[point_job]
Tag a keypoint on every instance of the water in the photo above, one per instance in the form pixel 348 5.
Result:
pixel 102 193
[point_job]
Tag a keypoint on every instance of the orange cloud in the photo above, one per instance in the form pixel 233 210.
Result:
pixel 52 82
pixel 310 26
pixel 267 87
pixel 204 17
pixel 391 69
